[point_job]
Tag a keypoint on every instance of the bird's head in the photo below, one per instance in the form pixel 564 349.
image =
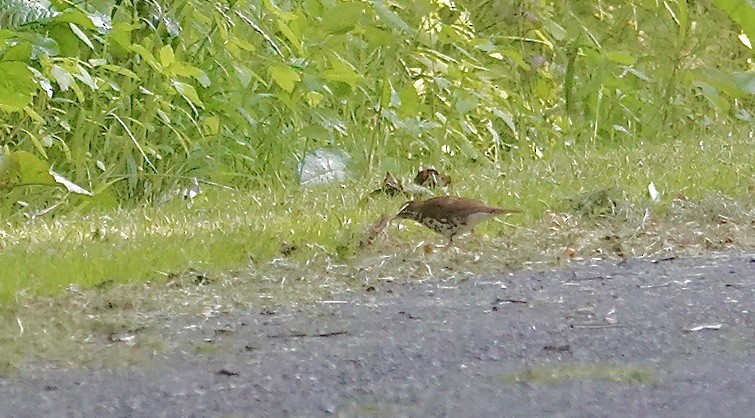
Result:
pixel 409 210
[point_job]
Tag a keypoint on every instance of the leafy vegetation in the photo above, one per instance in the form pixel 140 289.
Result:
pixel 524 103
pixel 131 99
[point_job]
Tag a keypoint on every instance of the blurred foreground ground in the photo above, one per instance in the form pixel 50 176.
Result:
pixel 648 337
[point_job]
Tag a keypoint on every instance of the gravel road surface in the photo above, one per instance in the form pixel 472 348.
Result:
pixel 665 337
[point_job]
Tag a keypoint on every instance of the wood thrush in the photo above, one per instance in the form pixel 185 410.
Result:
pixel 448 215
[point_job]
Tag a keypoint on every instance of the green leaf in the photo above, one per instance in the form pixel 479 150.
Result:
pixel 36 117
pixel 377 37
pixel 120 35
pixel 620 57
pixel 448 15
pixel 718 80
pixel 211 125
pixel 202 78
pixel 710 93
pixel 386 93
pixel 409 101
pixel 75 16
pixel 284 76
pixel 21 167
pixel 515 56
pixel 343 73
pixel 466 102
pixel 293 38
pixel 86 78
pixel 81 35
pixel 62 77
pixel 506 117
pixel 66 40
pixel 243 44
pixel 278 12
pixel 37 144
pixel 243 73
pixel 313 98
pixel 132 172
pixel 17 86
pixel 342 18
pixel 557 31
pixel 7 34
pixel 188 92
pixel 19 52
pixel 45 46
pixel 639 74
pixel 147 56
pixel 393 20
pixel 120 70
pixel 166 56
pixel 742 12
pixel 745 81
pixel 183 69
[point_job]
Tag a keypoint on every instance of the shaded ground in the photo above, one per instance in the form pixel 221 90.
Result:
pixel 670 337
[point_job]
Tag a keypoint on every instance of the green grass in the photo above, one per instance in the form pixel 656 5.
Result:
pixel 88 280
pixel 222 230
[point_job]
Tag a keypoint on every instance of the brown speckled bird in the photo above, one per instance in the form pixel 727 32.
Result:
pixel 448 215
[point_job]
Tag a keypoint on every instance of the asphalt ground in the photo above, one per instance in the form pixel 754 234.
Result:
pixel 665 337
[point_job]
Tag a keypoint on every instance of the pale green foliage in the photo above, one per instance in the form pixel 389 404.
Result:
pixel 15 13
pixel 131 102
